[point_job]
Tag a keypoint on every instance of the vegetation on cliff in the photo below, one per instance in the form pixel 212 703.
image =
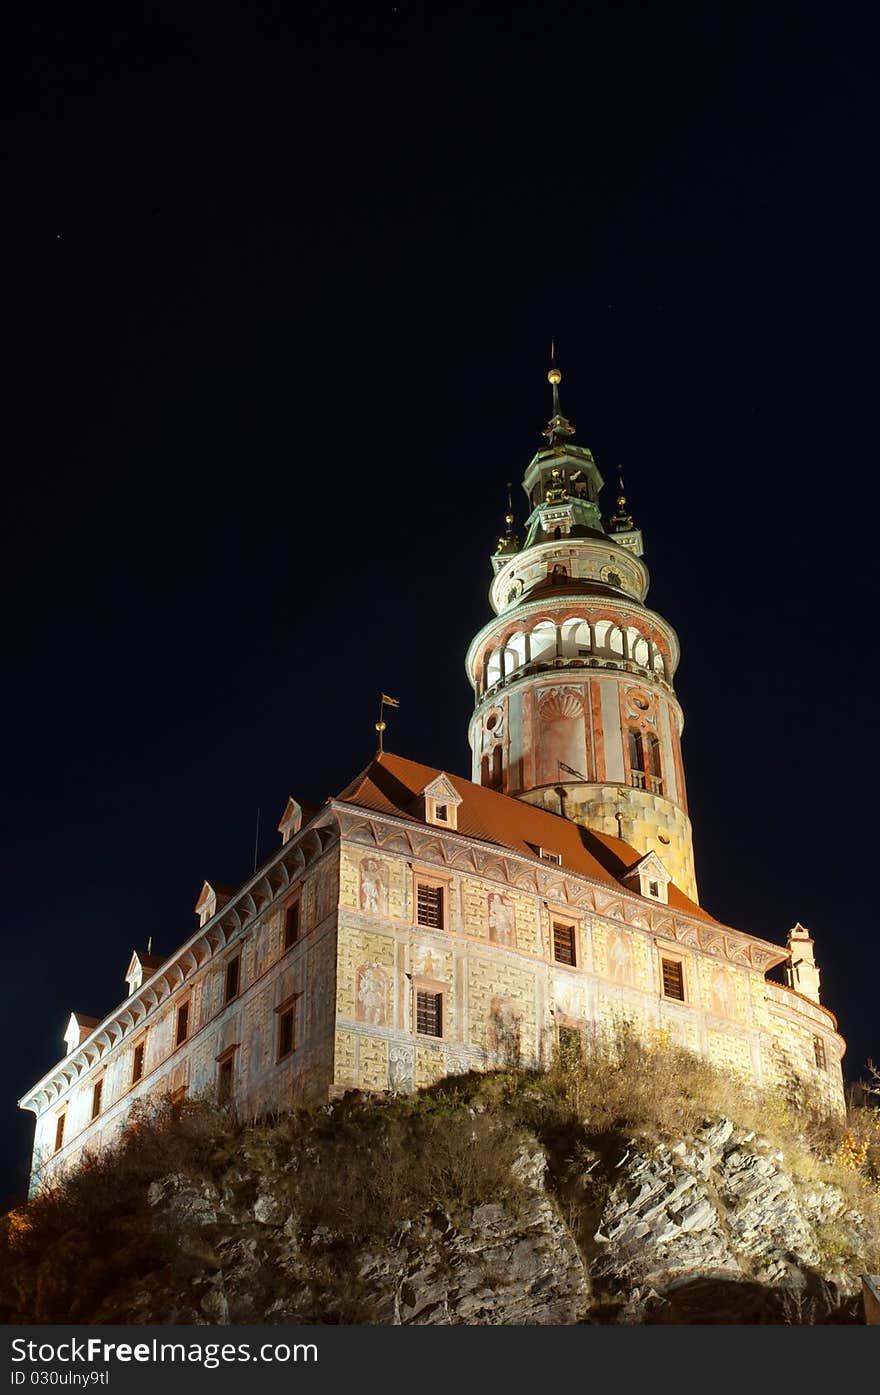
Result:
pixel 603 1190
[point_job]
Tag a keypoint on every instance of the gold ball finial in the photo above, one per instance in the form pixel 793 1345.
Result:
pixel 554 377
pixel 508 518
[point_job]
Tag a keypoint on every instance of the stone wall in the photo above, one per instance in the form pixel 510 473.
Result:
pixel 505 997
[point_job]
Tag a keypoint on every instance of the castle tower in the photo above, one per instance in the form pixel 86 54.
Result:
pixel 573 678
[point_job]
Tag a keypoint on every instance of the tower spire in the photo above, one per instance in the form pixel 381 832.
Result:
pixel 558 425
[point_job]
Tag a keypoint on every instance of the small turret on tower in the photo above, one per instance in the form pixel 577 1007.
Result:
pixel 620 525
pixel 801 971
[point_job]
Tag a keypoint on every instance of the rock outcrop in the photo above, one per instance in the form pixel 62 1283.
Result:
pixel 713 1228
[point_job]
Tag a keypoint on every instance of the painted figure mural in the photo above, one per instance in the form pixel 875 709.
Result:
pixel 372 995
pixel 502 923
pixel 373 895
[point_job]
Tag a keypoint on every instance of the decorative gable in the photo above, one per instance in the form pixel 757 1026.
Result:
pixel 78 1028
pixel 141 966
pixel 649 878
pixel 441 803
pixel 291 820
pixel 211 898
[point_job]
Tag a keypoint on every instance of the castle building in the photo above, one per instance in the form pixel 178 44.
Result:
pixel 420 924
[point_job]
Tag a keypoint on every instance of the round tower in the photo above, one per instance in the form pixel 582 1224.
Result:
pixel 573 677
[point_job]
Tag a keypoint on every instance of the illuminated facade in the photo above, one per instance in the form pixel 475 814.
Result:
pixel 420 924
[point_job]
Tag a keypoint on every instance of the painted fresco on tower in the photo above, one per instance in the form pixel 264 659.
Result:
pixel 563 739
pixel 502 919
pixel 373 886
pixel 372 995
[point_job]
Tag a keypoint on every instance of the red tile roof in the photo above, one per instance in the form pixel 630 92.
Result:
pixel 392 785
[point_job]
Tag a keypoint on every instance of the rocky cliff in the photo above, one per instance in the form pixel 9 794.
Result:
pixel 487 1201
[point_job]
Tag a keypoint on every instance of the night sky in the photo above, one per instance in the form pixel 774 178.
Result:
pixel 279 294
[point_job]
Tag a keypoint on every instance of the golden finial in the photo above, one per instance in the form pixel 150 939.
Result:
pixel 554 376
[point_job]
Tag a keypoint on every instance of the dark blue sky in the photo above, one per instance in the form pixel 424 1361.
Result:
pixel 279 298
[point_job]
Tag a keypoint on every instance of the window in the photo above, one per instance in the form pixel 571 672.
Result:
pixel 429 905
pixel 291 924
pixel 181 1031
pixel 97 1096
pixel 286 1030
pixel 563 943
pixel 429 1013
pixel 233 972
pixel 673 979
pixel 225 1080
pixel 137 1064
pixel 59 1132
pixel 546 856
pixel 819 1053
pixel 226 1077
pixel 654 889
pixel 441 813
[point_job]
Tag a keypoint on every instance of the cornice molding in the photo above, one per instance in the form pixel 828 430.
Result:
pixel 461 853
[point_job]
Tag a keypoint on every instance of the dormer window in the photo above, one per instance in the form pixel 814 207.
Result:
pixel 212 897
pixel 547 856
pixel 441 803
pixel 649 878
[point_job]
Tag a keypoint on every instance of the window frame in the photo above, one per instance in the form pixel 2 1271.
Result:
pixel 183 1010
pixel 226 1059
pixel 286 1010
pixel 820 1055
pixel 140 1045
pixel 569 923
pixel 436 995
pixel 435 882
pixel 233 962
pixel 96 1107
pixel 292 910
pixel 60 1126
pixel 678 961
pixel 437 989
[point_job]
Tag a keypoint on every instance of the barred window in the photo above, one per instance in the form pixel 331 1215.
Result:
pixel 182 1030
pixel 563 943
pixel 429 1013
pixel 429 905
pixel 819 1053
pixel 291 924
pixel 673 979
pixel 137 1064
